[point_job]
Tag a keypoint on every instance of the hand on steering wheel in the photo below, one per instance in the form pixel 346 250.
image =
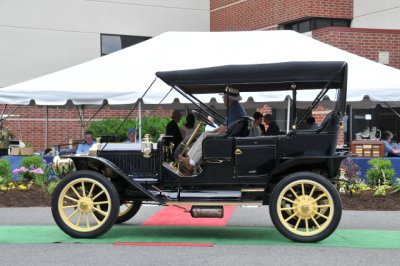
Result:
pixel 202 118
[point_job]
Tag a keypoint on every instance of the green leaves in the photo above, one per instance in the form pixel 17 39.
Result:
pixel 5 171
pixel 381 172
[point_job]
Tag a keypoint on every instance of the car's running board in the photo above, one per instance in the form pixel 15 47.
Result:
pixel 213 203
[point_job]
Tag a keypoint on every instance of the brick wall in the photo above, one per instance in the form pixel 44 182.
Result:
pixel 363 42
pixel 228 15
pixel 29 124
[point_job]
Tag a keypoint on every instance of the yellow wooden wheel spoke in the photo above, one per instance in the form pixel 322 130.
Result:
pixel 294 193
pixel 87 220
pixel 73 214
pixel 70 206
pixel 315 221
pixel 98 195
pixel 321 215
pixel 83 189
pixel 306 221
pixel 323 206
pixel 76 192
pixel 100 211
pixel 70 198
pixel 291 201
pixel 320 197
pixel 79 219
pixel 95 218
pixel 91 190
pixel 290 217
pixel 312 191
pixel 287 208
pixel 297 223
pixel 302 189
pixel 101 202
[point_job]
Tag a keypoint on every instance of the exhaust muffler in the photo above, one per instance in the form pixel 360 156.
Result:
pixel 207 211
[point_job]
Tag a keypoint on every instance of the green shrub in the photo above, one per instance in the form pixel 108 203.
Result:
pixel 52 185
pixel 150 125
pixel 5 171
pixel 380 173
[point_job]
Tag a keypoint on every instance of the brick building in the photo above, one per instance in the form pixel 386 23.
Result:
pixel 366 28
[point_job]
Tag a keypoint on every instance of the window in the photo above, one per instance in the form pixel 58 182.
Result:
pixel 112 43
pixel 314 23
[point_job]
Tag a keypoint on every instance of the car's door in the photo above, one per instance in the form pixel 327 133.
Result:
pixel 254 156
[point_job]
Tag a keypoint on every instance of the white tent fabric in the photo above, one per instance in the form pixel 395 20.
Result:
pixel 122 77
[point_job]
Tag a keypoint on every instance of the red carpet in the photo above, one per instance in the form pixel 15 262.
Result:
pixel 174 216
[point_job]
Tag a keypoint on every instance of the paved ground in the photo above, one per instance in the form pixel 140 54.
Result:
pixel 106 254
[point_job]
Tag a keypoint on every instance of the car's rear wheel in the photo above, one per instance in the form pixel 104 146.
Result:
pixel 78 200
pixel 127 210
pixel 305 207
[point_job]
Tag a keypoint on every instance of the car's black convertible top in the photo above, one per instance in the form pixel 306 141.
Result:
pixel 258 77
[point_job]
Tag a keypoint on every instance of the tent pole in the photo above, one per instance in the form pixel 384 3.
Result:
pixel 46 128
pixel 140 120
pixel 4 109
pixel 288 116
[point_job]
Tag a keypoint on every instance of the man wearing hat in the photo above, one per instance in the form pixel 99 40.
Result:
pixel 131 136
pixel 235 112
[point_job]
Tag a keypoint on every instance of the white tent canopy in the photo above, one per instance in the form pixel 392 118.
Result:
pixel 122 77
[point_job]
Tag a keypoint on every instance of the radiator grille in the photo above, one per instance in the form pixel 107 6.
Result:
pixel 134 164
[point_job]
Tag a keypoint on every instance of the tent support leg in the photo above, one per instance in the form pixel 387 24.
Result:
pixel 140 120
pixel 4 110
pixel 46 128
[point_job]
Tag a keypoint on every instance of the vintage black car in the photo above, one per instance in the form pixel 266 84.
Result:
pixel 292 173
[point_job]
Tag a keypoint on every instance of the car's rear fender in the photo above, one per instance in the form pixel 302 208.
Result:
pixel 328 165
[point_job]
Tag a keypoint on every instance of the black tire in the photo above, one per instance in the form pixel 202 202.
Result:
pixel 130 213
pixel 87 176
pixel 309 180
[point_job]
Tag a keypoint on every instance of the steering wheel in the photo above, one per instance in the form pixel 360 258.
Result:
pixel 202 118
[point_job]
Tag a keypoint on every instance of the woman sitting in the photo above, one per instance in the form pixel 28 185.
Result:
pixel 390 151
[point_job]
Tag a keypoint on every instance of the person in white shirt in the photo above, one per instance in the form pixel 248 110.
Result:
pixel 208 127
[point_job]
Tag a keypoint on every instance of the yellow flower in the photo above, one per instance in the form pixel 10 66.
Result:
pixel 22 187
pixel 4 188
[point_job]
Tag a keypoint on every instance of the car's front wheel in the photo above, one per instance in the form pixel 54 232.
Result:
pixel 85 204
pixel 305 207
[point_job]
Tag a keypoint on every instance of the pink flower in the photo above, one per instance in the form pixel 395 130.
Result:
pixel 38 171
pixel 16 171
pixel 23 169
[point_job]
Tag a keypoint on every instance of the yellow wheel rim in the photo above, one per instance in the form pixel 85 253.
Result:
pixel 84 204
pixel 125 208
pixel 305 207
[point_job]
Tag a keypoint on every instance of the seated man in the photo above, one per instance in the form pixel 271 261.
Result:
pixel 84 147
pixel 390 151
pixel 273 128
pixel 131 136
pixel 235 112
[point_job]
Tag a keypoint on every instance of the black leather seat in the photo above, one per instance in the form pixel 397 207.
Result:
pixel 329 124
pixel 239 128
